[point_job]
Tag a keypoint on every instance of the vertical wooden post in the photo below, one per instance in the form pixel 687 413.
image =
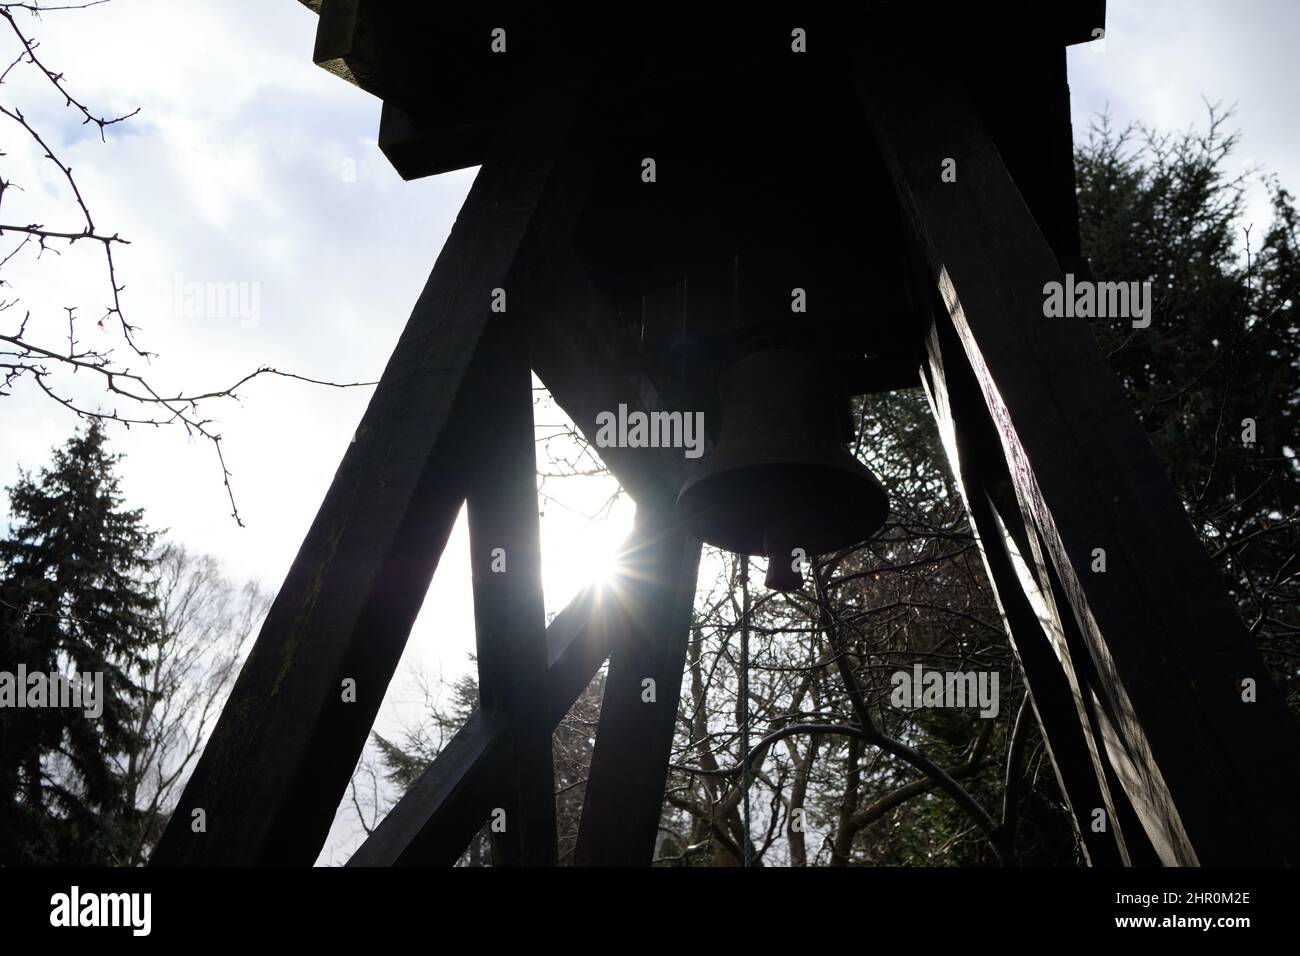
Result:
pixel 509 614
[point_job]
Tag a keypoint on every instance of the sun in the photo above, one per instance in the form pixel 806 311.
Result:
pixel 579 550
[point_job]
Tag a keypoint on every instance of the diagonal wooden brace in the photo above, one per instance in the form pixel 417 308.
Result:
pixel 279 759
pixel 1209 774
pixel 625 785
pixel 436 819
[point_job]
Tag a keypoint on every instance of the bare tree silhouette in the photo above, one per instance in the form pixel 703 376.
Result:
pixel 35 351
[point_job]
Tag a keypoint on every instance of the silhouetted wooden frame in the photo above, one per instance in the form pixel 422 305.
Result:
pixel 1153 651
pixel 1135 674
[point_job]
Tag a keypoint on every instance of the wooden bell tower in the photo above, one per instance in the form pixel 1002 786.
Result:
pixel 820 168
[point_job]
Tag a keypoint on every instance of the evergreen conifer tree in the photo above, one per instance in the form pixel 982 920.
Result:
pixel 75 598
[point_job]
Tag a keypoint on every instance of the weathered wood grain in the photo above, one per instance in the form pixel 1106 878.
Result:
pixel 1211 776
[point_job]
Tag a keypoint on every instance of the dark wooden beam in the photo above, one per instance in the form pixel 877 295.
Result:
pixel 435 820
pixel 1211 776
pixel 624 795
pixel 417 145
pixel 445 91
pixel 576 354
pixel 1031 618
pixel 509 612
pixel 278 762
pixel 1114 762
pixel 1022 94
pixel 589 368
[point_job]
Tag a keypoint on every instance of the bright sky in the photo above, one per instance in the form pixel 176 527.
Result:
pixel 249 165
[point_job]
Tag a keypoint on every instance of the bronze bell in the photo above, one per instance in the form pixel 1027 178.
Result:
pixel 781 476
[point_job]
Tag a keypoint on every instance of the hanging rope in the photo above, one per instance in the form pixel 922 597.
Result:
pixel 744 698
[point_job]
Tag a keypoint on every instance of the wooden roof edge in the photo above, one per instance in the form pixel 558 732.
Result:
pixel 354 45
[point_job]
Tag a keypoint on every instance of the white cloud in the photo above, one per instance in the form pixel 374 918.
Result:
pixel 1165 58
pixel 234 172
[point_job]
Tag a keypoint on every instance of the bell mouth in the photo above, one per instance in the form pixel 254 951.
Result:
pixel 780 480
pixel 817 508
